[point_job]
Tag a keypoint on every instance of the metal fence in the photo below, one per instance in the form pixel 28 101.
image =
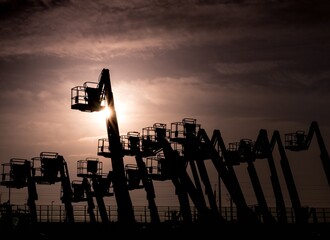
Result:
pixel 56 213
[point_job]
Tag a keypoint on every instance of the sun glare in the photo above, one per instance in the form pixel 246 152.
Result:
pixel 107 112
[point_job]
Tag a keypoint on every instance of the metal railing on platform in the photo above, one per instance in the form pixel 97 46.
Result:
pixel 56 213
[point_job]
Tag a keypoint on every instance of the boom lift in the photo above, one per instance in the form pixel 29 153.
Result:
pixel 262 150
pixel 173 151
pixel 139 172
pixel 137 175
pixel 226 172
pixel 82 191
pixel 18 173
pixel 50 168
pixel 90 170
pixel 94 97
pixel 300 212
pixel 247 151
pixel 219 147
pixel 299 141
pixel 185 133
pixel 170 165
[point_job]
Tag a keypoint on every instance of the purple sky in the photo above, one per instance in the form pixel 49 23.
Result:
pixel 237 66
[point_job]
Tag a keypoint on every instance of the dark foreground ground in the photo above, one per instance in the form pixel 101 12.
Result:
pixel 52 231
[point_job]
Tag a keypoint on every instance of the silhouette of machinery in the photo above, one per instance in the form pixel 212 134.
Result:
pixel 299 211
pixel 299 141
pixel 95 96
pixel 172 150
pixel 177 154
pixel 166 154
pixel 48 168
pixel 217 152
pixel 94 184
pixel 248 151
pixel 18 173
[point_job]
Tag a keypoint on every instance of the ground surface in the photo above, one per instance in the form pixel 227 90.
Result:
pixel 52 231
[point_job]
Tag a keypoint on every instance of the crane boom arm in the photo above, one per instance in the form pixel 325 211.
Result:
pixel 125 207
pixel 314 129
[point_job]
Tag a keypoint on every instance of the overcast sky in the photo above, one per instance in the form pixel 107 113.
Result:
pixel 238 66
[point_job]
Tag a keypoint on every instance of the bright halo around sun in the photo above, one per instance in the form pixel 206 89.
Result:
pixel 106 113
pixel 121 111
pixel 120 108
